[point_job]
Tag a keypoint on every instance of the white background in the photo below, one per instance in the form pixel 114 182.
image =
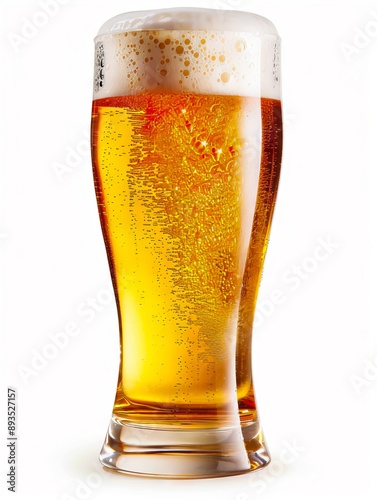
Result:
pixel 314 390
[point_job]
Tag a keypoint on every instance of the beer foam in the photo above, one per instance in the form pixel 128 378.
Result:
pixel 201 51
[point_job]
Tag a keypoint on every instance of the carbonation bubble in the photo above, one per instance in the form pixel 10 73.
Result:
pixel 225 77
pixel 240 45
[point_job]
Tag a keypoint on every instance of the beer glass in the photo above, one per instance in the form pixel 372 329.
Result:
pixel 186 149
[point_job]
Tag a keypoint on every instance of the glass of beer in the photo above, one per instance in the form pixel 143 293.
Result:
pixel 186 149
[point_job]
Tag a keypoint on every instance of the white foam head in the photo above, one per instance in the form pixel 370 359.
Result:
pixel 202 51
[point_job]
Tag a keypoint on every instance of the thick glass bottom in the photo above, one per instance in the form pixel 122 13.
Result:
pixel 176 452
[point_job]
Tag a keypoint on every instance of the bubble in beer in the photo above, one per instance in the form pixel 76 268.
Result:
pixel 240 45
pixel 225 77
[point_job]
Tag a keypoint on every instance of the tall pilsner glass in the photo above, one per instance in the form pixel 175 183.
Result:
pixel 186 148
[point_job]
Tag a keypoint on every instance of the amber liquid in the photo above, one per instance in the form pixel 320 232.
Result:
pixel 174 185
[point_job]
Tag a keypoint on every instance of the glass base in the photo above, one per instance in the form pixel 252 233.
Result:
pixel 183 453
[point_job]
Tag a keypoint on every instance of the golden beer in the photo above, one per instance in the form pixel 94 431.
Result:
pixel 186 182
pixel 169 180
